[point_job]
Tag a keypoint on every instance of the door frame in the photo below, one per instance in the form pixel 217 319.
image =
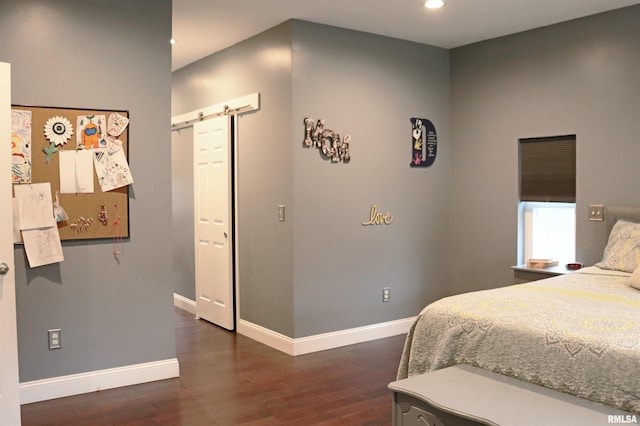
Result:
pixel 235 107
pixel 9 374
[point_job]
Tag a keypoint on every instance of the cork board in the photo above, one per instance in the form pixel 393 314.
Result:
pixel 83 209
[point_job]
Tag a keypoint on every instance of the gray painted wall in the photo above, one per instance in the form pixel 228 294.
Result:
pixel 68 53
pixel 321 270
pixel 579 77
pixel 261 64
pixel 183 220
pixel 369 87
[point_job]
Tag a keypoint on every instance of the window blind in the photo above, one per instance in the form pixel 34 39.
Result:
pixel 548 169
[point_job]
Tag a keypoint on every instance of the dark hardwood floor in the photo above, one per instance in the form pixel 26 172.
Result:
pixel 228 379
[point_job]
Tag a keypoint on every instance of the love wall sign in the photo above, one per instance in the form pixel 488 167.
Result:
pixel 376 218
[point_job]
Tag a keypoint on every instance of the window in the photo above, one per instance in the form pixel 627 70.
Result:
pixel 549 231
pixel 547 198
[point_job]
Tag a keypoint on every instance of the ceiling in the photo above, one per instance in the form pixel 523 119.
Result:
pixel 203 27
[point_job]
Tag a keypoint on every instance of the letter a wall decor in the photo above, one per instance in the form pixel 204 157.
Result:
pixel 424 142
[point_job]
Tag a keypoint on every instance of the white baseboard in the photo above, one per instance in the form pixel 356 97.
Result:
pixel 75 384
pixel 184 303
pixel 305 345
pixel 321 342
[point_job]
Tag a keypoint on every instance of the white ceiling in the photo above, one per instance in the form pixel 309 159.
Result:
pixel 203 27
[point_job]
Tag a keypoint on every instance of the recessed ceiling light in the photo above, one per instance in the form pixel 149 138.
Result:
pixel 172 41
pixel 433 4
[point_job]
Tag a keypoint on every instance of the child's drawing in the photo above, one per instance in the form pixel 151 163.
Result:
pixel 20 146
pixel 90 132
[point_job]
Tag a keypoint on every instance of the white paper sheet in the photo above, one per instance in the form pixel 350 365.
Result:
pixel 67 172
pixel 84 171
pixel 17 237
pixel 76 172
pixel 43 246
pixel 35 208
pixel 112 169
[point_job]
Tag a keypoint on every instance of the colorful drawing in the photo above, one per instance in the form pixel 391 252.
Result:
pixel 117 124
pixel 90 132
pixel 20 146
pixel 112 169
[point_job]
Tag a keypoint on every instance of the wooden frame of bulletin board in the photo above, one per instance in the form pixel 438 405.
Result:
pixel 83 209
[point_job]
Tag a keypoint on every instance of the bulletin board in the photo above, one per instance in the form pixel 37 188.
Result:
pixel 95 215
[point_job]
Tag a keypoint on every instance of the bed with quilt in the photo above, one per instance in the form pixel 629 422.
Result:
pixel 577 333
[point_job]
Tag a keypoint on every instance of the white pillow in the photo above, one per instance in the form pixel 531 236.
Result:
pixel 623 248
pixel 634 280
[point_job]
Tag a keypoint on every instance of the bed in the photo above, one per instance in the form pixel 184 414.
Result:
pixel 577 333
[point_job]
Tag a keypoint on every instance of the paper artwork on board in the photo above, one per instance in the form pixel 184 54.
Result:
pixel 58 130
pixel 117 123
pixel 17 237
pixel 20 146
pixel 76 172
pixel 42 246
pixel 37 225
pixel 113 144
pixel 91 132
pixel 112 169
pixel 35 206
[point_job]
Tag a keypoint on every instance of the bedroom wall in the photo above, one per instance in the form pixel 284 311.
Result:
pixel 261 64
pixel 579 77
pixel 321 270
pixel 369 87
pixel 102 55
pixel 182 210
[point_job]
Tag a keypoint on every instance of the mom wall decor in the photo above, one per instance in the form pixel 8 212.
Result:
pixel 326 140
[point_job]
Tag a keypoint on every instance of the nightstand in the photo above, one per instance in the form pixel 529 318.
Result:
pixel 524 274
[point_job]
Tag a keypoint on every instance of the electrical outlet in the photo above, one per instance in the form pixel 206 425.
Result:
pixel 386 294
pixel 55 338
pixel 596 212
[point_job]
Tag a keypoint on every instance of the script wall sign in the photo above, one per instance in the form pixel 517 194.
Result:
pixel 376 218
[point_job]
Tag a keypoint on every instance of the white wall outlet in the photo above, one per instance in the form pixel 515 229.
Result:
pixel 55 338
pixel 386 294
pixel 596 212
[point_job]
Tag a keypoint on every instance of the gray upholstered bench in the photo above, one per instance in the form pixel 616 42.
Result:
pixel 466 395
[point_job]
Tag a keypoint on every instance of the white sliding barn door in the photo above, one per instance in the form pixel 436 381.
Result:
pixel 9 390
pixel 212 220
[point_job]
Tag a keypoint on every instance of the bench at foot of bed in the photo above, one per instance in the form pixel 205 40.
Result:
pixel 463 395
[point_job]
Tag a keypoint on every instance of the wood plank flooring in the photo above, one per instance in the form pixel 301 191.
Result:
pixel 228 379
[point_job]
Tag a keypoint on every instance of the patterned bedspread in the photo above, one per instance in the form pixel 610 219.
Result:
pixel 577 333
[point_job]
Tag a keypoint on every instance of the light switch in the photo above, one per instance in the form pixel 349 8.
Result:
pixel 596 212
pixel 281 213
